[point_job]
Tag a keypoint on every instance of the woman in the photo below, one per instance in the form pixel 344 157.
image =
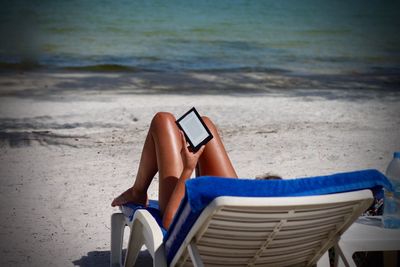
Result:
pixel 165 152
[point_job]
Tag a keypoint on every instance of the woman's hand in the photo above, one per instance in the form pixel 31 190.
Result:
pixel 189 158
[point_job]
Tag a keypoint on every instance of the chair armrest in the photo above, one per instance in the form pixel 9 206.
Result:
pixel 145 231
pixel 152 234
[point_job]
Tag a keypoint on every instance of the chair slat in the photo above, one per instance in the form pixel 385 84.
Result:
pixel 280 209
pixel 260 235
pixel 226 250
pixel 237 225
pixel 221 240
pixel 236 215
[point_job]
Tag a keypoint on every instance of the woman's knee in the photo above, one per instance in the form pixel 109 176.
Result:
pixel 162 118
pixel 208 122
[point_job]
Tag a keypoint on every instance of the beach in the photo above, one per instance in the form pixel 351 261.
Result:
pixel 298 89
pixel 71 141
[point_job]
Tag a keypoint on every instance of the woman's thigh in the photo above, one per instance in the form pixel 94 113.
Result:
pixel 215 160
pixel 168 147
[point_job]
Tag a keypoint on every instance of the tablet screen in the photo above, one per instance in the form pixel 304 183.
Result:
pixel 194 128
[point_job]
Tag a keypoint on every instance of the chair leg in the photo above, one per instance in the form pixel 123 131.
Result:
pixel 159 257
pixel 117 236
pixel 136 241
pixel 344 257
pixel 324 260
pixel 195 255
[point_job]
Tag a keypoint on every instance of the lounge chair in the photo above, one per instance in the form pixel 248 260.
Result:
pixel 239 222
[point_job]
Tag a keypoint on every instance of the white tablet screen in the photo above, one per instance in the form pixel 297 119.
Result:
pixel 193 128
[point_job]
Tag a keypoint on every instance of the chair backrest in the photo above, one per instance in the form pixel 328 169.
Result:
pixel 271 231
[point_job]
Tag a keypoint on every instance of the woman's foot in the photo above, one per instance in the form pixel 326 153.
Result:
pixel 130 196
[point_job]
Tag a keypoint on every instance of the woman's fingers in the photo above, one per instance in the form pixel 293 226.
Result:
pixel 186 149
pixel 200 151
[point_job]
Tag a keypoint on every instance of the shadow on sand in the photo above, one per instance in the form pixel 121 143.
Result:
pixel 64 85
pixel 44 138
pixel 102 259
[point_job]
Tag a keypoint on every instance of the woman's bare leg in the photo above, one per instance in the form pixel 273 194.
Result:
pixel 215 161
pixel 168 144
pixel 147 169
pixel 161 152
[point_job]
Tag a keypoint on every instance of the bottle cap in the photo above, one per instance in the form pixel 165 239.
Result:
pixel 396 155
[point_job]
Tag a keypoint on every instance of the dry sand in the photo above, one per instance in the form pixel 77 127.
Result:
pixel 71 141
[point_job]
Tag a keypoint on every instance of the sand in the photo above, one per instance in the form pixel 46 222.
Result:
pixel 71 141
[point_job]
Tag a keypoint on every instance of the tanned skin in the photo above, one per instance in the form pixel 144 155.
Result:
pixel 165 151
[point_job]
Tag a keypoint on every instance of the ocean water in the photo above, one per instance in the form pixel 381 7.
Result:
pixel 310 36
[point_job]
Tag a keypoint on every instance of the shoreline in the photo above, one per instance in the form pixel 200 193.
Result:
pixel 390 73
pixel 71 141
pixel 198 82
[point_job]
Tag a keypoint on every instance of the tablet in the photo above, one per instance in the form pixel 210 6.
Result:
pixel 194 128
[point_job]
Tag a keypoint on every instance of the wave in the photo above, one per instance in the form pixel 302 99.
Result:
pixel 32 66
pixel 104 68
pixel 20 66
pixel 225 68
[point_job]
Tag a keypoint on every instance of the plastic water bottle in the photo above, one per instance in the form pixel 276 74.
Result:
pixel 391 210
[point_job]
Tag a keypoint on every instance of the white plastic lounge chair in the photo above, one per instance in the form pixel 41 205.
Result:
pixel 250 228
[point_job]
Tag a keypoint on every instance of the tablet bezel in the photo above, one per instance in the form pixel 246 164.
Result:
pixel 205 141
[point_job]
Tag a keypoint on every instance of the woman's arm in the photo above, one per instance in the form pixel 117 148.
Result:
pixel 189 164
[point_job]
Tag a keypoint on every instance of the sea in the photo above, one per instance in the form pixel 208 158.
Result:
pixel 297 36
